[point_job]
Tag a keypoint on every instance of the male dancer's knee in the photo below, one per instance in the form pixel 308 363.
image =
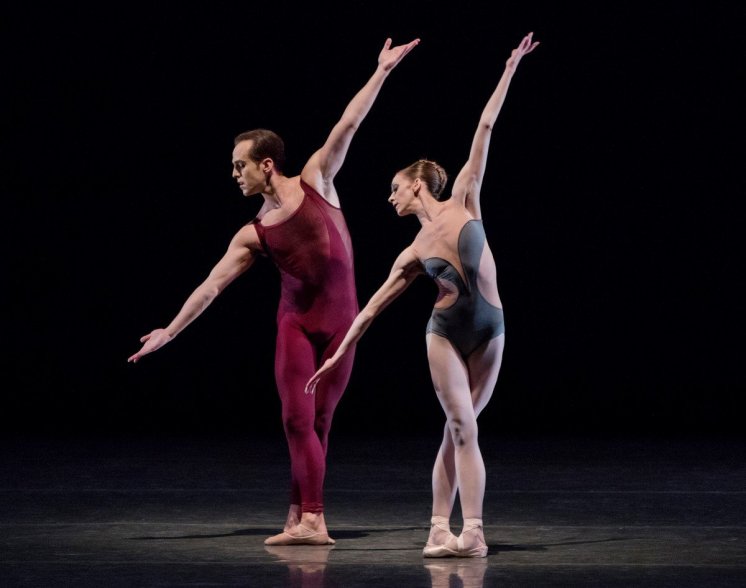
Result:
pixel 296 425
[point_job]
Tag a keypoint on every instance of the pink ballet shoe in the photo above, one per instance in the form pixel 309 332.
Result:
pixel 447 549
pixel 433 549
pixel 300 535
pixel 456 546
pixel 478 550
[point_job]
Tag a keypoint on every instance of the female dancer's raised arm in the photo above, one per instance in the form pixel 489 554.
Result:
pixel 468 183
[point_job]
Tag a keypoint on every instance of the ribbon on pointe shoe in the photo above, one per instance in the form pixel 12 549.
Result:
pixel 478 550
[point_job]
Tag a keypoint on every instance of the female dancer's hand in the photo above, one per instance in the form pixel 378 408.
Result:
pixel 154 340
pixel 526 46
pixel 388 58
pixel 329 365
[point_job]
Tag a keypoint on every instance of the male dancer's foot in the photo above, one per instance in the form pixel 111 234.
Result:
pixel 311 530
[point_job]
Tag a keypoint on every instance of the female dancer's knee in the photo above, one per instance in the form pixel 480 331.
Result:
pixel 463 431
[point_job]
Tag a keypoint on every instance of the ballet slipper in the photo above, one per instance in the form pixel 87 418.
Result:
pixel 300 535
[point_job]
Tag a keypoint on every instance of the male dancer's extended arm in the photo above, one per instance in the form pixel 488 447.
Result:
pixel 324 164
pixel 239 257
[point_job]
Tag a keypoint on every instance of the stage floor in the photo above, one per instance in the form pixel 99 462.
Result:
pixel 194 511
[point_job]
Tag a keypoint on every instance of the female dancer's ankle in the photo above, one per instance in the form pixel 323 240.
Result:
pixel 440 530
pixel 473 533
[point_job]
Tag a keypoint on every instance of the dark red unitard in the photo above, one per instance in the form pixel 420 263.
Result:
pixel 313 251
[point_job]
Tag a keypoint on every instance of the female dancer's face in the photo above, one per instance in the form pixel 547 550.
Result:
pixel 402 195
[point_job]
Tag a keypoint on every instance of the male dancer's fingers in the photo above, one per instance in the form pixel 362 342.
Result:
pixel 411 46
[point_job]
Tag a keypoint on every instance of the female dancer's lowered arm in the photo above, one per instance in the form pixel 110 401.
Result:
pixel 405 269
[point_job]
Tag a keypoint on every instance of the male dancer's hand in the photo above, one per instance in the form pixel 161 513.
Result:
pixel 389 58
pixel 153 340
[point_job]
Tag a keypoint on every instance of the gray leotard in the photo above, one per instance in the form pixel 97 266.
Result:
pixel 471 320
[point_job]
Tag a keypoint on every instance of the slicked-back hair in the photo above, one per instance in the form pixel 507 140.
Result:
pixel 266 143
pixel 431 173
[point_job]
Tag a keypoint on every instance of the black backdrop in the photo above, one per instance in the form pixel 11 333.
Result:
pixel 612 202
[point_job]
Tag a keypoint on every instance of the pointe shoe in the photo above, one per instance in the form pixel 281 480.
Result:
pixel 456 546
pixel 300 535
pixel 479 549
pixel 439 549
pixel 447 549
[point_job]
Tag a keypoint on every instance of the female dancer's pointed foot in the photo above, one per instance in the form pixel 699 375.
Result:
pixel 447 549
pixel 471 541
pixel 300 535
pixel 469 544
pixel 439 539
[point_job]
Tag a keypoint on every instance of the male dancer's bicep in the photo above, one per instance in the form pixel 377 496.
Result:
pixel 239 257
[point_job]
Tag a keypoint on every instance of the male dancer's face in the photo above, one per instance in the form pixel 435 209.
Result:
pixel 249 174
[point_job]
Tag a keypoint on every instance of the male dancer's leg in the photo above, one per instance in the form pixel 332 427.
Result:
pixel 294 365
pixel 307 420
pixel 330 389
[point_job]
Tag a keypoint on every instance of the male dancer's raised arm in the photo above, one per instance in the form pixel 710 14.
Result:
pixel 323 165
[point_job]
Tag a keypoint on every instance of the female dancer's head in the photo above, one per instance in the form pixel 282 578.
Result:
pixel 409 184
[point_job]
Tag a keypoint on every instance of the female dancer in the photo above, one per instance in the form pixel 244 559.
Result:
pixel 466 335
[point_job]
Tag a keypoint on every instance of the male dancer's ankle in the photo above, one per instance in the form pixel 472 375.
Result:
pixel 313 520
pixel 294 516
